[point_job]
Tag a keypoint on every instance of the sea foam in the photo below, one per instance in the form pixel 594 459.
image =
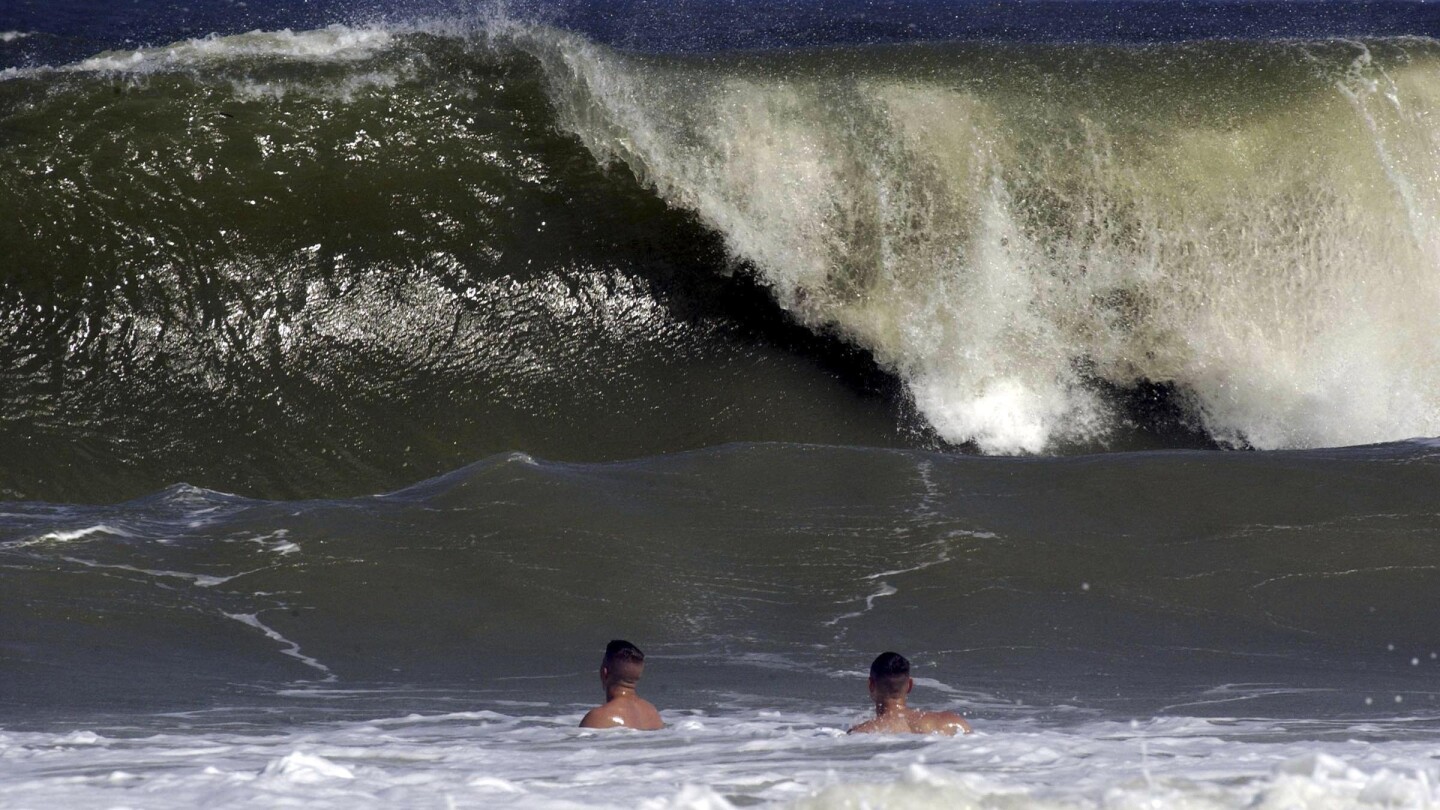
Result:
pixel 719 762
pixel 334 43
pixel 1013 232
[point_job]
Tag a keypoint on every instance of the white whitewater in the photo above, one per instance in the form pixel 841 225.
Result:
pixel 531 758
pixel 333 43
pixel 1004 233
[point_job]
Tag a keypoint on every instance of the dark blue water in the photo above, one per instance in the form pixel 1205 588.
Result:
pixel 71 29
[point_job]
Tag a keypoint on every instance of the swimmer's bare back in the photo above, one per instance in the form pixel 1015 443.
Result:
pixel 626 711
pixel 914 721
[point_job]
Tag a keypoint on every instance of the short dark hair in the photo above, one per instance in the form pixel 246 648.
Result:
pixel 621 650
pixel 891 671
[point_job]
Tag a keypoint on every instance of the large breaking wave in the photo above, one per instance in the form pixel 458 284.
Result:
pixel 338 260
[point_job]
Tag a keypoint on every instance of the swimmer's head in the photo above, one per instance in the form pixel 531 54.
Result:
pixel 890 676
pixel 623 664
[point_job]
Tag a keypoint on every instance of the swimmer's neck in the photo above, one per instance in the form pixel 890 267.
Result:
pixel 619 690
pixel 895 705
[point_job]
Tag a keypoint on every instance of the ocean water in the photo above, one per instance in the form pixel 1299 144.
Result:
pixel 364 369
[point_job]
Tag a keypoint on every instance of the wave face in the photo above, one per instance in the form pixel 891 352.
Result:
pixel 1006 227
pixel 338 260
pixel 341 260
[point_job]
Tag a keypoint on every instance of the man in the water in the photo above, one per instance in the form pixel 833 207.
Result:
pixel 890 684
pixel 619 674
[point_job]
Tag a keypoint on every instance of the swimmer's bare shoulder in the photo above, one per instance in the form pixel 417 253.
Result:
pixel 624 712
pixel 910 721
pixel 874 726
pixel 947 723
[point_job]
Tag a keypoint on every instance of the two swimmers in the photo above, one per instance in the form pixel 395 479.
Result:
pixel 890 685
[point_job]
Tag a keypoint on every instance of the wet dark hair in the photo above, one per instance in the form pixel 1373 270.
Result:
pixel 620 650
pixel 891 672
